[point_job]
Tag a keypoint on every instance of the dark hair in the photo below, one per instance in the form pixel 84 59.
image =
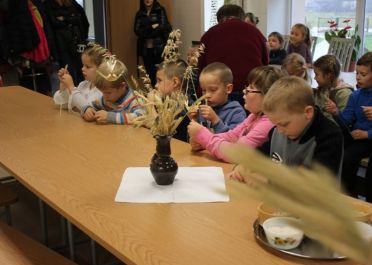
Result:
pixel 230 11
pixel 277 35
pixel 366 60
pixel 252 17
pixel 329 65
pixel 142 5
pixel 305 31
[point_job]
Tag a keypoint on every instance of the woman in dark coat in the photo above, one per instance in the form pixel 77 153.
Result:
pixel 152 29
pixel 70 27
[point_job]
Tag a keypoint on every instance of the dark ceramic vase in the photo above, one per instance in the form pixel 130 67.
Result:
pixel 163 167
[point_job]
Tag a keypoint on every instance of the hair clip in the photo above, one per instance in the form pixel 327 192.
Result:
pixel 111 62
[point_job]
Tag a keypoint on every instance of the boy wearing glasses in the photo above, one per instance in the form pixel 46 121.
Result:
pixel 253 131
pixel 218 114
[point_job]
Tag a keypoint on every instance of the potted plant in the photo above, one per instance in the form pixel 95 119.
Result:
pixel 345 32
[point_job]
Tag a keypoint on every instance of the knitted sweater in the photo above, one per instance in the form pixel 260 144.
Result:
pixel 253 132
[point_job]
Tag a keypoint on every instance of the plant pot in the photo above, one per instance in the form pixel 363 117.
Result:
pixel 163 167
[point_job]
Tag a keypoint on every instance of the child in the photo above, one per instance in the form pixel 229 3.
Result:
pixel 169 78
pixel 357 116
pixel 219 114
pixel 302 135
pixel 254 129
pixel 118 103
pixel 294 64
pixel 300 42
pixel 277 53
pixel 72 97
pixel 330 89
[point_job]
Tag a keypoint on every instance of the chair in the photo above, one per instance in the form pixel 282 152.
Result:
pixel 285 41
pixel 342 48
pixel 314 40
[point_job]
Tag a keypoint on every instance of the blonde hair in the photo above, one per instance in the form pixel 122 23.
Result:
pixel 173 69
pixel 221 70
pixel 95 52
pixel 297 63
pixel 263 77
pixel 290 94
pixel 111 73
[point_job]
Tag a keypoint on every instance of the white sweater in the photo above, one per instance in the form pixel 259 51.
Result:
pixel 80 96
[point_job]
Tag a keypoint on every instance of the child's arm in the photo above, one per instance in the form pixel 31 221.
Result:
pixel 235 117
pixel 125 116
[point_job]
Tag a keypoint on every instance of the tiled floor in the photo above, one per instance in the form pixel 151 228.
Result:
pixel 26 218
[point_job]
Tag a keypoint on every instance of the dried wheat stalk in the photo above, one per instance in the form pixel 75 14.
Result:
pixel 171 49
pixel 311 195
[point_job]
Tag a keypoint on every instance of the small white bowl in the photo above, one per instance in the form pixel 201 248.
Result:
pixel 281 234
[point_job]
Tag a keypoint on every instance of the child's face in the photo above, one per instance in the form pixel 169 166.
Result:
pixel 322 79
pixel 165 85
pixel 274 43
pixel 215 90
pixel 112 94
pixel 363 76
pixel 89 68
pixel 296 36
pixel 291 125
pixel 253 99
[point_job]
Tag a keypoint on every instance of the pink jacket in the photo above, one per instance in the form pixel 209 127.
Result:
pixel 253 132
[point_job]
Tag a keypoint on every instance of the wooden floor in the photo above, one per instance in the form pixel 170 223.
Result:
pixel 25 217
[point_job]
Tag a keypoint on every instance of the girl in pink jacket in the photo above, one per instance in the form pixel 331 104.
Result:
pixel 253 131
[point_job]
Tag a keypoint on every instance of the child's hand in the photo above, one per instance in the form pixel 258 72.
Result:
pixel 367 112
pixel 89 114
pixel 359 134
pixel 331 107
pixel 195 146
pixel 193 115
pixel 101 116
pixel 209 114
pixel 235 174
pixel 67 82
pixel 193 128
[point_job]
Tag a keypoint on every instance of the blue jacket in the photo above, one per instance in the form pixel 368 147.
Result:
pixel 353 115
pixel 231 114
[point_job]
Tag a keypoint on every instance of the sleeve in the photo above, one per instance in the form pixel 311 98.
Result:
pixel 235 119
pixel 56 24
pixel 347 116
pixel 258 134
pixel 329 151
pixel 96 105
pixel 126 116
pixel 142 27
pixel 164 25
pixel 76 99
pixel 308 56
pixel 342 96
pixel 61 98
pixel 266 146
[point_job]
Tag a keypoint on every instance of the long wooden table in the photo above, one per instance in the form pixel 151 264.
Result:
pixel 76 167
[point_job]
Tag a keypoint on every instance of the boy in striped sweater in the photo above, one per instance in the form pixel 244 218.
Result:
pixel 118 103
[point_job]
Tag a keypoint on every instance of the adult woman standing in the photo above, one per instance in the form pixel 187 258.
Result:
pixel 70 27
pixel 152 28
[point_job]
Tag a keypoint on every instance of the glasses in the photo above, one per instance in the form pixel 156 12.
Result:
pixel 248 89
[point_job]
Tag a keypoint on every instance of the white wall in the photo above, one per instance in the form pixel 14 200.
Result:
pixel 88 6
pixel 188 17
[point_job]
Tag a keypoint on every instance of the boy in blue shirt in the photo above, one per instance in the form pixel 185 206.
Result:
pixel 218 113
pixel 356 118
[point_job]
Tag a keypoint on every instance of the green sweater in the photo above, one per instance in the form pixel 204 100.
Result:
pixel 339 95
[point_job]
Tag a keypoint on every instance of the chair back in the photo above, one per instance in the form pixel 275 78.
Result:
pixel 314 40
pixel 342 48
pixel 285 41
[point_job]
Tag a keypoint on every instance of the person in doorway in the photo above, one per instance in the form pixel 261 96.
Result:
pixel 152 28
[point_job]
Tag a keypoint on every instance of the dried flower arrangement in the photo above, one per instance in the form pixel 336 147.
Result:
pixel 163 115
pixel 311 195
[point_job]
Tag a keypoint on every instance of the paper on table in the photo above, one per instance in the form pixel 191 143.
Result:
pixel 192 184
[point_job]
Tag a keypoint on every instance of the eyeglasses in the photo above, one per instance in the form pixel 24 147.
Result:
pixel 248 90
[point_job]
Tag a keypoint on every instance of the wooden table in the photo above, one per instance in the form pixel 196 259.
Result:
pixel 76 167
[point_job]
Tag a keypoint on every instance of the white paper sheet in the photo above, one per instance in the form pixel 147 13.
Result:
pixel 192 184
